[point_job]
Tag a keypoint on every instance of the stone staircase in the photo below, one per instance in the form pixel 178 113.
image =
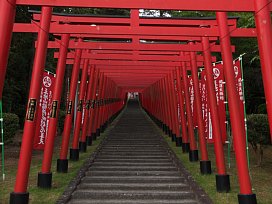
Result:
pixel 133 166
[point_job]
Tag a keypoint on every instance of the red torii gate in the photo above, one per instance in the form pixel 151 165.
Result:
pixel 263 23
pixel 159 47
pixel 193 156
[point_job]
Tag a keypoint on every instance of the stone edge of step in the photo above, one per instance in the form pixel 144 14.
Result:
pixel 72 186
pixel 201 195
pixel 67 194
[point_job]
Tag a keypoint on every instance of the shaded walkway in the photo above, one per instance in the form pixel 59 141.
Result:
pixel 134 166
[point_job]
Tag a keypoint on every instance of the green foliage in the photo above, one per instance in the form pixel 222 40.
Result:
pixel 61 120
pixel 17 76
pixel 19 65
pixel 11 125
pixel 262 109
pixel 258 129
pixel 93 11
pixel 191 14
pixel 258 134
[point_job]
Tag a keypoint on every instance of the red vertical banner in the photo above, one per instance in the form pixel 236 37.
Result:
pixel 43 110
pixel 219 85
pixel 239 85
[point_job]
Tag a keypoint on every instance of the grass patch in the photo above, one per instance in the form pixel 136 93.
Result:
pixel 59 181
pixel 261 176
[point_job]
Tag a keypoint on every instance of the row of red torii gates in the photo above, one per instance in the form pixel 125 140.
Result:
pixel 145 55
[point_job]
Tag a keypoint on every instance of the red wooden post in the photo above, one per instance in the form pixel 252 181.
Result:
pixel 82 141
pixel 218 145
pixel 104 106
pixel 20 194
pixel 98 105
pixel 185 139
pixel 238 130
pixel 193 148
pixel 169 111
pixel 101 106
pixel 7 11
pixel 45 176
pixel 96 108
pixel 106 103
pixel 62 162
pixel 166 119
pixel 151 107
pixel 264 31
pixel 169 130
pixel 205 163
pixel 114 101
pixel 109 95
pixel 74 151
pixel 91 133
pixel 177 136
pixel 172 111
pixel 160 107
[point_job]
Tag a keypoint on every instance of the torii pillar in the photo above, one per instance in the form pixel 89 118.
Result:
pixel 7 15
pixel 20 194
pixel 246 196
pixel 264 35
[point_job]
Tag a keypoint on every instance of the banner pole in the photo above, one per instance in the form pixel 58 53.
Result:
pixel 243 89
pixel 2 141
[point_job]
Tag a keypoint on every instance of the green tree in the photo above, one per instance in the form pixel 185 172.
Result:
pixel 258 133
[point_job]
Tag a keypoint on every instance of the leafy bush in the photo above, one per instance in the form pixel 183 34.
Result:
pixel 262 109
pixel 11 125
pixel 61 120
pixel 258 133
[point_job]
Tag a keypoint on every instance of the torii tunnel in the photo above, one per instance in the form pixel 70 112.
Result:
pixel 151 56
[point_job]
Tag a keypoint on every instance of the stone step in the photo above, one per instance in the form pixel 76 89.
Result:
pixel 131 173
pixel 118 163
pixel 132 153
pixel 133 194
pixel 133 168
pixel 136 149
pixel 133 160
pixel 147 138
pixel 133 179
pixel 131 157
pixel 134 145
pixel 134 201
pixel 135 186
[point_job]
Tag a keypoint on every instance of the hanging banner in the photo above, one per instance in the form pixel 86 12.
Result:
pixel 218 74
pixel 192 99
pixel 239 85
pixel 204 102
pixel 43 111
pixel 220 98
